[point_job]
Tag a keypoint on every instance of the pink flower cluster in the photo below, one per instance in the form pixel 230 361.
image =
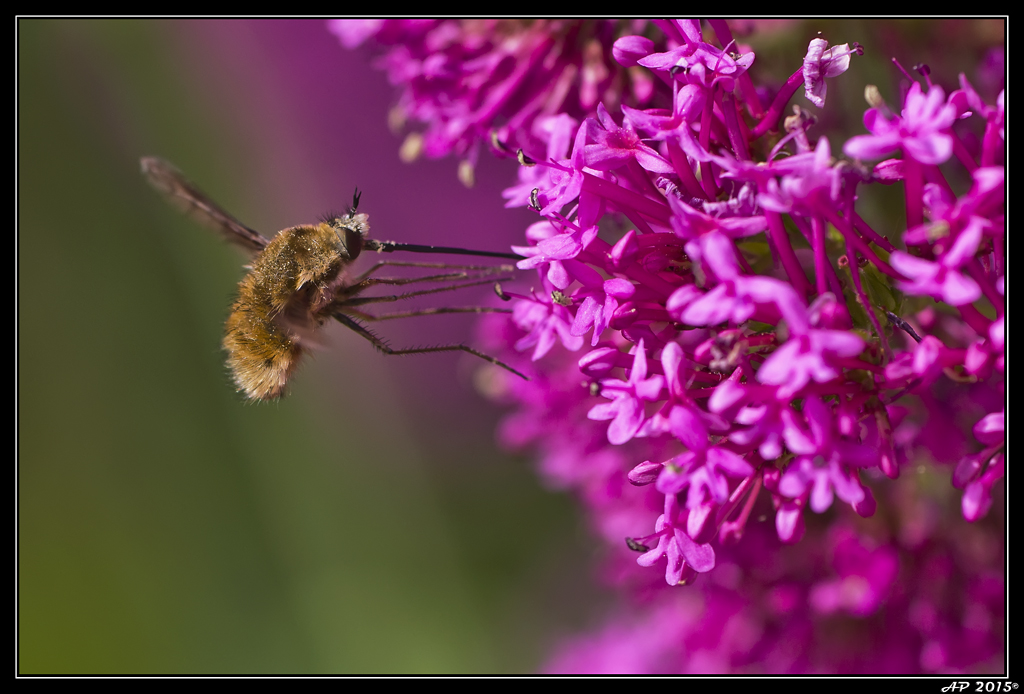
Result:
pixel 494 82
pixel 717 339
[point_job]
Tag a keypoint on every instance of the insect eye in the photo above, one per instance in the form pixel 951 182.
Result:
pixel 350 240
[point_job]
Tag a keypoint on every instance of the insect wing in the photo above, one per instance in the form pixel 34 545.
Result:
pixel 184 195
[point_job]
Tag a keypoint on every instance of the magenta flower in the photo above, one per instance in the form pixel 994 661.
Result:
pixel 700 230
pixel 701 63
pixel 758 419
pixel 807 180
pixel 705 473
pixel 736 299
pixel 684 557
pixel 466 80
pixel 556 250
pixel 628 398
pixel 565 179
pixel 810 355
pixel 977 473
pixel 599 306
pixel 544 322
pixel 613 145
pixel 825 464
pixel 557 132
pixel 821 62
pixel 942 279
pixel 680 415
pixel 920 131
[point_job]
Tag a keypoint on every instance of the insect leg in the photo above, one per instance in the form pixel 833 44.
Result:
pixel 360 300
pixel 902 325
pixel 345 293
pixel 441 266
pixel 382 346
pixel 412 280
pixel 424 312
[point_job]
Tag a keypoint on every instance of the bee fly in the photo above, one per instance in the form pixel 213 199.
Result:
pixel 296 282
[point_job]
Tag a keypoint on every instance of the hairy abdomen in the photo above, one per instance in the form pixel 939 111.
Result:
pixel 279 303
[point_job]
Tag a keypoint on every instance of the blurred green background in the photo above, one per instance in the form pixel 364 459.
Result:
pixel 366 523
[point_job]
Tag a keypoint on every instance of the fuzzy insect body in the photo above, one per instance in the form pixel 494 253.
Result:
pixel 286 297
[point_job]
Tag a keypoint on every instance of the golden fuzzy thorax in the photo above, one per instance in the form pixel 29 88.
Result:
pixel 285 297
